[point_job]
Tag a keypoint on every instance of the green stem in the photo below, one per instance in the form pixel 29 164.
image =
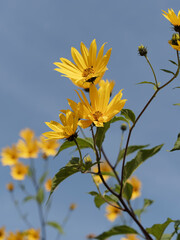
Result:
pixel 40 209
pixel 152 70
pixel 120 148
pixel 81 159
pixel 24 218
pixel 143 110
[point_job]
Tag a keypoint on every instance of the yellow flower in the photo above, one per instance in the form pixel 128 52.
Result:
pixel 48 185
pixel 65 130
pixel 28 148
pixel 15 236
pixel 100 111
pixel 10 186
pixel 130 237
pixel 48 147
pixel 9 155
pixel 173 18
pixel 87 68
pixel 110 84
pixel 175 42
pixel 33 234
pixel 2 233
pixel 136 184
pixel 19 171
pixel 105 168
pixel 112 212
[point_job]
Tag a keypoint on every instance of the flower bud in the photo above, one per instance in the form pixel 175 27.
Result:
pixel 72 206
pixel 142 50
pixel 10 186
pixel 123 127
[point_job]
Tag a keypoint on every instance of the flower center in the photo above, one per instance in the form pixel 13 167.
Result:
pixel 97 115
pixel 88 71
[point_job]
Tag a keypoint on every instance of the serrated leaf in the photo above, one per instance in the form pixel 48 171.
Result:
pixel 43 177
pixel 157 230
pixel 82 142
pixel 56 226
pixel 127 191
pixel 141 157
pixel 145 82
pixel 28 198
pixel 128 114
pixel 71 168
pixel 177 144
pixel 173 62
pixel 116 231
pixel 40 195
pixel 167 71
pixel 131 149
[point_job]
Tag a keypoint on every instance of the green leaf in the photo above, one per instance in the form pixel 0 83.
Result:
pixel 178 237
pixel 157 230
pixel 71 168
pixel 100 134
pixel 176 87
pixel 115 119
pixel 28 198
pixel 177 144
pixel 128 114
pixel 167 71
pixel 176 225
pixel 127 191
pixel 111 198
pixel 43 177
pixel 145 82
pixel 131 149
pixel 56 226
pixel 101 131
pixel 173 62
pixel 40 195
pixel 141 157
pixel 117 231
pixel 176 104
pixel 98 200
pixel 93 193
pixel 82 142
pixel 147 202
pixel 167 236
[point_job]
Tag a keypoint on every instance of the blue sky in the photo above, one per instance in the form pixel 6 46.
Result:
pixel 34 34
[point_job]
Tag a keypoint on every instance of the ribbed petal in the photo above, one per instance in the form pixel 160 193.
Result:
pixel 78 59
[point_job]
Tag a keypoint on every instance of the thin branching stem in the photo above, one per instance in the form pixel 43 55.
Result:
pixel 143 110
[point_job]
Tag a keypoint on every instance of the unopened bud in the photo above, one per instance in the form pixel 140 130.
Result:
pixel 72 206
pixel 87 159
pixel 175 38
pixel 91 236
pixel 123 127
pixel 142 50
pixel 10 186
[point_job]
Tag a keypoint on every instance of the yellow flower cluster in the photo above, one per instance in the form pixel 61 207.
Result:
pixel 86 72
pixel 27 147
pixel 175 21
pixel 30 234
